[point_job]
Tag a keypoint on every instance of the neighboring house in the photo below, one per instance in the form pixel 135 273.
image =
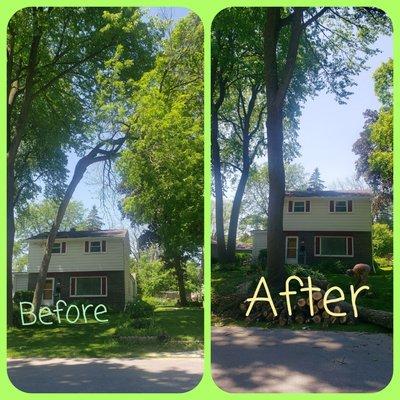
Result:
pixel 324 225
pixel 85 265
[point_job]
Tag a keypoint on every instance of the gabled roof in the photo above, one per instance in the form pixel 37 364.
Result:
pixel 73 234
pixel 328 193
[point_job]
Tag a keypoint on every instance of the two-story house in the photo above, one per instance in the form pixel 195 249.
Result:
pixel 324 225
pixel 90 265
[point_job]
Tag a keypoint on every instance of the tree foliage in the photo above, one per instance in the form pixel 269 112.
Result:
pixel 375 145
pixel 315 182
pixel 93 220
pixel 382 240
pixel 162 166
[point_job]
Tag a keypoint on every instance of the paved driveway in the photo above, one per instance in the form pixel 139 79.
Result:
pixel 89 375
pixel 281 360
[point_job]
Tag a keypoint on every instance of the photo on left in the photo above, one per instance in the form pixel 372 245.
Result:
pixel 104 200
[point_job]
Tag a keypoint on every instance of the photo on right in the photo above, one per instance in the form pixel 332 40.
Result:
pixel 302 207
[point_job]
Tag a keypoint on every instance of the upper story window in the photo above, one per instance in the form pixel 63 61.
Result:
pixel 299 206
pixel 341 206
pixel 59 248
pixel 95 246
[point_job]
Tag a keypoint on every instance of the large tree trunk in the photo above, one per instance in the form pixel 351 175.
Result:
pixel 78 174
pixel 95 155
pixel 181 282
pixel 13 142
pixel 218 189
pixel 234 218
pixel 276 89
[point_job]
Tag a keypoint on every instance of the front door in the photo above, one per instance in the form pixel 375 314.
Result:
pixel 292 249
pixel 48 292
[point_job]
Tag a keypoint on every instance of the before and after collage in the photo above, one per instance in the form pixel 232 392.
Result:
pixel 198 200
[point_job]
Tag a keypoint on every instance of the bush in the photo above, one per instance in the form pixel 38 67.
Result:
pixel 23 295
pixel 332 267
pixel 139 309
pixel 382 240
pixel 142 323
pixel 304 271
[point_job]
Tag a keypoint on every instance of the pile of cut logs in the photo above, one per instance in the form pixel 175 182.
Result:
pixel 301 312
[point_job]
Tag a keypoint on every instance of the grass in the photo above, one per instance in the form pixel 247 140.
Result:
pixel 380 296
pixel 184 326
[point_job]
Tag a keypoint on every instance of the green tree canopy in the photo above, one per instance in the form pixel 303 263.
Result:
pixel 93 220
pixel 162 167
pixel 315 182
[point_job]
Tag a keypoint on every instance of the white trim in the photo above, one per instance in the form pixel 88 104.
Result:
pixel 341 212
pixel 60 253
pixel 88 295
pixel 95 252
pixel 49 302
pixel 297 250
pixel 334 255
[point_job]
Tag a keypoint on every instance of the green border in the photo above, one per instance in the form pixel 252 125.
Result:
pixel 206 10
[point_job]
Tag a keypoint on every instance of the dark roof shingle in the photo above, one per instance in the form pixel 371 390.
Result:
pixel 83 234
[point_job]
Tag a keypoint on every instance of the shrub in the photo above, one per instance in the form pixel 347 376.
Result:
pixel 303 271
pixel 332 267
pixel 142 323
pixel 139 309
pixel 23 295
pixel 382 240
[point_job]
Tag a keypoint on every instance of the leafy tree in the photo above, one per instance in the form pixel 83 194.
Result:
pixel 53 55
pixel 382 240
pixel 255 202
pixel 38 218
pixel 162 167
pixel 315 182
pixel 350 183
pixel 306 50
pixel 238 115
pixel 375 145
pixel 93 221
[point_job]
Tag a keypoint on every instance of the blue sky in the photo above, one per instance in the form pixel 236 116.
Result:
pixel 328 129
pixel 327 132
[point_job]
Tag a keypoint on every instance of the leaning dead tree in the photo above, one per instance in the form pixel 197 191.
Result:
pixel 105 151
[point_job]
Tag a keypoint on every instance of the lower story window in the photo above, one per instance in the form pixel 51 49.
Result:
pixel 86 286
pixel 334 246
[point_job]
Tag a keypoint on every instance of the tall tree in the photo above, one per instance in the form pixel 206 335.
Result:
pixel 315 182
pixel 93 221
pixel 375 145
pixel 255 202
pixel 162 167
pixel 238 114
pixel 305 50
pixel 52 58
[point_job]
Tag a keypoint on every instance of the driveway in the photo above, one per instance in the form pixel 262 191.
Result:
pixel 282 360
pixel 114 375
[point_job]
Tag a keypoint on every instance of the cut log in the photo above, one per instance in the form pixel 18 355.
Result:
pixel 301 302
pixel 320 304
pixel 343 320
pixel 377 317
pixel 317 319
pixel 337 309
pixel 299 318
pixel 317 296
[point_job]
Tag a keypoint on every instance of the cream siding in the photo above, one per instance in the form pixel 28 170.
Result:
pixel 320 219
pixel 259 242
pixel 20 281
pixel 75 258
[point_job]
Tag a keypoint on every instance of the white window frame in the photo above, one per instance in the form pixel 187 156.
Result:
pixel 334 255
pixel 294 206
pixel 341 212
pixel 60 253
pixel 87 295
pixel 304 207
pixel 101 246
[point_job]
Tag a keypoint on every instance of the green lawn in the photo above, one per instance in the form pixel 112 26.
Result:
pixel 184 326
pixel 380 296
